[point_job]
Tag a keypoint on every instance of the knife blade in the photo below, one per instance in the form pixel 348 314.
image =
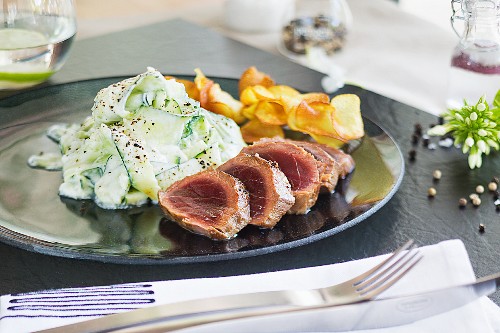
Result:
pixel 204 315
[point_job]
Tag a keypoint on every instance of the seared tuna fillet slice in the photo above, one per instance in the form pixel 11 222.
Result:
pixel 269 190
pixel 346 161
pixel 300 167
pixel 329 169
pixel 211 203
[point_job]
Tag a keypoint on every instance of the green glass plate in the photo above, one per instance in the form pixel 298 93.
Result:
pixel 34 217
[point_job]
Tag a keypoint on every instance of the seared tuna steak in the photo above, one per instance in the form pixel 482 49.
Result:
pixel 346 161
pixel 300 167
pixel 329 169
pixel 269 190
pixel 212 203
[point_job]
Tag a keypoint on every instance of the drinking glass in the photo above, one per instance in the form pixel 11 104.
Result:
pixel 35 37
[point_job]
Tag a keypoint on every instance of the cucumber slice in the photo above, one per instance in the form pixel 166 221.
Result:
pixel 113 186
pixel 136 161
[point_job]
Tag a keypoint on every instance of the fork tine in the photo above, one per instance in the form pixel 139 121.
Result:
pixel 360 278
pixel 375 291
pixel 392 267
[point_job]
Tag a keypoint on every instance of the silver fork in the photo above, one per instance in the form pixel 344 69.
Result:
pixel 376 280
pixel 175 316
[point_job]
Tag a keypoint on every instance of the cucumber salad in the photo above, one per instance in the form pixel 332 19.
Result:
pixel 144 134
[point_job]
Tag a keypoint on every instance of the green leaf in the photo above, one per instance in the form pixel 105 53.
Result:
pixel 496 101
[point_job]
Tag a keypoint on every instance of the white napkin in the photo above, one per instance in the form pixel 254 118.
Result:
pixel 443 264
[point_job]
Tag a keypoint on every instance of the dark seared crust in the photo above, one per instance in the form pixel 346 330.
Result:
pixel 345 161
pixel 233 212
pixel 329 169
pixel 262 177
pixel 307 193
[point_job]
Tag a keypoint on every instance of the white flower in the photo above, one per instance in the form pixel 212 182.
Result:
pixel 469 142
pixel 459 116
pixel 438 130
pixel 493 144
pixel 473 116
pixel 482 146
pixel 475 160
pixel 482 132
pixel 481 107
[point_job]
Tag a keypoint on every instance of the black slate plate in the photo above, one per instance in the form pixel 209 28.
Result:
pixel 34 217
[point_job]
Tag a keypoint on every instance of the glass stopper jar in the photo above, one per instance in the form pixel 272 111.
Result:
pixel 475 63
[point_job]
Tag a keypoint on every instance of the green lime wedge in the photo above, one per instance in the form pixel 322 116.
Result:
pixel 13 38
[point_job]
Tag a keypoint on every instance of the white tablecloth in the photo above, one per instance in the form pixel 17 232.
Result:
pixel 388 50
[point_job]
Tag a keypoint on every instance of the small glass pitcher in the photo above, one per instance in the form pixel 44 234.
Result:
pixel 475 64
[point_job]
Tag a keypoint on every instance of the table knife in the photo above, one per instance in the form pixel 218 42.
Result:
pixel 204 315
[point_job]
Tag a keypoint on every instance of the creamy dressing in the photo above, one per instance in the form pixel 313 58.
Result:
pixel 144 134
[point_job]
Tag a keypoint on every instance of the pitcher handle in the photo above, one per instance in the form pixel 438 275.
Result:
pixel 455 15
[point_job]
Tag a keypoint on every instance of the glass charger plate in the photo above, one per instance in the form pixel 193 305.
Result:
pixel 35 218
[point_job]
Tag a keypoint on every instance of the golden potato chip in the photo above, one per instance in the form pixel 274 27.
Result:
pixel 249 110
pixel 252 77
pixel 271 113
pixel 279 91
pixel 315 97
pixel 313 118
pixel 213 98
pixel 347 117
pixel 254 94
pixel 254 130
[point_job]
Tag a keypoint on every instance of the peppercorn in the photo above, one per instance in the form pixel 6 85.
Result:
pixel 476 202
pixel 479 189
pixel 473 196
pixel 431 192
pixel 440 120
pixel 496 180
pixel 437 174
pixel 492 186
pixel 425 142
pixel 413 154
pixel 481 228
pixel 414 139
pixel 462 202
pixel 496 195
pixel 418 129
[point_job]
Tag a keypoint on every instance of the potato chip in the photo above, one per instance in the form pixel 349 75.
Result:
pixel 348 121
pixel 313 118
pixel 279 91
pixel 271 113
pixel 252 77
pixel 254 94
pixel 254 130
pixel 267 106
pixel 213 98
pixel 315 97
